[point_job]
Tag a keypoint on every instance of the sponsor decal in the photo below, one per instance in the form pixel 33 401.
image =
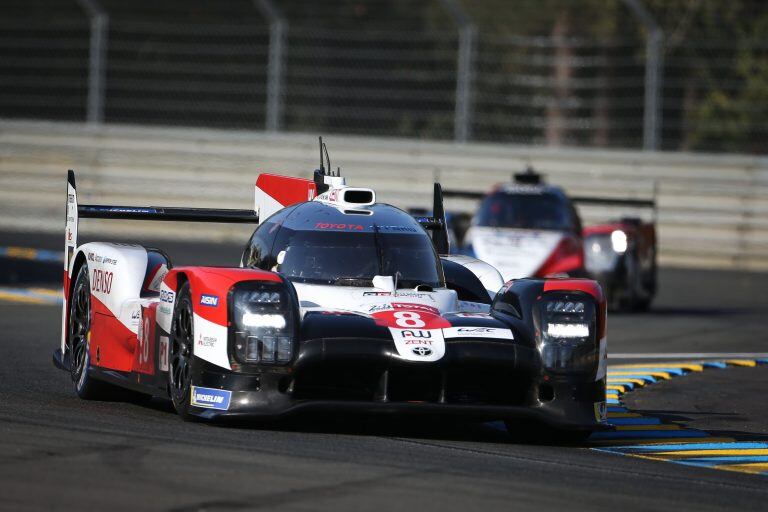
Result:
pixel 478 332
pixel 166 296
pixel 412 295
pixel 416 295
pixel 422 351
pixel 343 227
pixel 163 353
pixel 157 280
pixel 129 210
pixel 210 398
pixel 102 281
pixel 109 261
pixel 423 345
pixel 209 300
pixel 206 341
pixel 164 309
pixel 416 337
pixel 473 315
pixel 70 198
pixel 416 307
pixel 601 412
pixel 380 307
pixel 398 229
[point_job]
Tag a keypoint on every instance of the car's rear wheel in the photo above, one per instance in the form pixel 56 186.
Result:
pixel 78 339
pixel 181 353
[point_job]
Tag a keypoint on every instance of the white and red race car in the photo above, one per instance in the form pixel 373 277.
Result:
pixel 340 304
pixel 528 228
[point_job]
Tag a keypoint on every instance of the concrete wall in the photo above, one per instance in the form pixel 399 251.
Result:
pixel 712 209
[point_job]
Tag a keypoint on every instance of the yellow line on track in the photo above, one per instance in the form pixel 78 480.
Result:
pixel 22 298
pixel 658 375
pixel 639 382
pixel 691 367
pixel 754 467
pixel 686 454
pixel 672 440
pixel 46 291
pixel 742 362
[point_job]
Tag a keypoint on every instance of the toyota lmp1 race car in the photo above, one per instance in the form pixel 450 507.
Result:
pixel 531 229
pixel 340 304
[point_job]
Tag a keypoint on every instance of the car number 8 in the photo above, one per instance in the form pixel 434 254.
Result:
pixel 408 319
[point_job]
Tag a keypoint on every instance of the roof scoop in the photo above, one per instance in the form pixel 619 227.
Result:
pixel 357 196
pixel 348 197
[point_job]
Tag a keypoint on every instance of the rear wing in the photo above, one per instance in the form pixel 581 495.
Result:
pixel 621 202
pixel 76 211
pixel 578 200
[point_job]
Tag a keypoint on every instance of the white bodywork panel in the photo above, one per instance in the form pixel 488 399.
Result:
pixel 516 253
pixel 211 342
pixel 116 272
pixel 366 300
pixel 488 275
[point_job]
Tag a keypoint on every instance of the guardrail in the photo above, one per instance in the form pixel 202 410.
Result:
pixel 712 209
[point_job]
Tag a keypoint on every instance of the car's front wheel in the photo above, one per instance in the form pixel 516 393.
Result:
pixel 181 352
pixel 79 338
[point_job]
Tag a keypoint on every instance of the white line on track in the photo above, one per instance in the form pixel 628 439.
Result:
pixel 693 355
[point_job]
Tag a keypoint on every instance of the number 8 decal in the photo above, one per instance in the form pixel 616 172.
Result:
pixel 409 319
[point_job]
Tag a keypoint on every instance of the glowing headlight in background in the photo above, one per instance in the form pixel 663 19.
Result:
pixel 619 241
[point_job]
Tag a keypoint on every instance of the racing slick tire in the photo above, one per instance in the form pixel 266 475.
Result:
pixel 181 353
pixel 545 434
pixel 78 340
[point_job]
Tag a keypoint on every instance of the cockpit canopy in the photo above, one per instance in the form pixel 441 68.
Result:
pixel 317 243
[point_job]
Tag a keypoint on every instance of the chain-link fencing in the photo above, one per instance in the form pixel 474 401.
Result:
pixel 594 73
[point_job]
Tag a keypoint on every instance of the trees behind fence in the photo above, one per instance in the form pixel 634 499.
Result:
pixel 658 74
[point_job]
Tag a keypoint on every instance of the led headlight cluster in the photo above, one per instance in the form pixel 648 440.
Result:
pixel 567 333
pixel 263 320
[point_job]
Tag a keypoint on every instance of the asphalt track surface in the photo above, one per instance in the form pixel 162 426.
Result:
pixel 59 452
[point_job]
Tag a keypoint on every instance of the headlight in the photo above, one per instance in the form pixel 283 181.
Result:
pixel 619 241
pixel 264 323
pixel 599 255
pixel 567 332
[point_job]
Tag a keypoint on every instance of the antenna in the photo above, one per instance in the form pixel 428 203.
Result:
pixel 322 169
pixel 327 158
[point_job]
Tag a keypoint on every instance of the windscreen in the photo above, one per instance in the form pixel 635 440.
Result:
pixel 354 258
pixel 525 211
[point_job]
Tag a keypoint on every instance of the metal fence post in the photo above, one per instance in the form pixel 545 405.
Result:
pixel 462 124
pixel 654 68
pixel 278 28
pixel 97 60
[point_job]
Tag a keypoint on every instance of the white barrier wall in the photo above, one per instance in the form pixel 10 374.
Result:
pixel 712 209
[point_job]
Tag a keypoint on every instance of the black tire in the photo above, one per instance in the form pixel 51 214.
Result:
pixel 545 434
pixel 78 340
pixel 181 353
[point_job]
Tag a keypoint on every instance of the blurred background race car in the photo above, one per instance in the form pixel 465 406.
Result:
pixel 528 228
